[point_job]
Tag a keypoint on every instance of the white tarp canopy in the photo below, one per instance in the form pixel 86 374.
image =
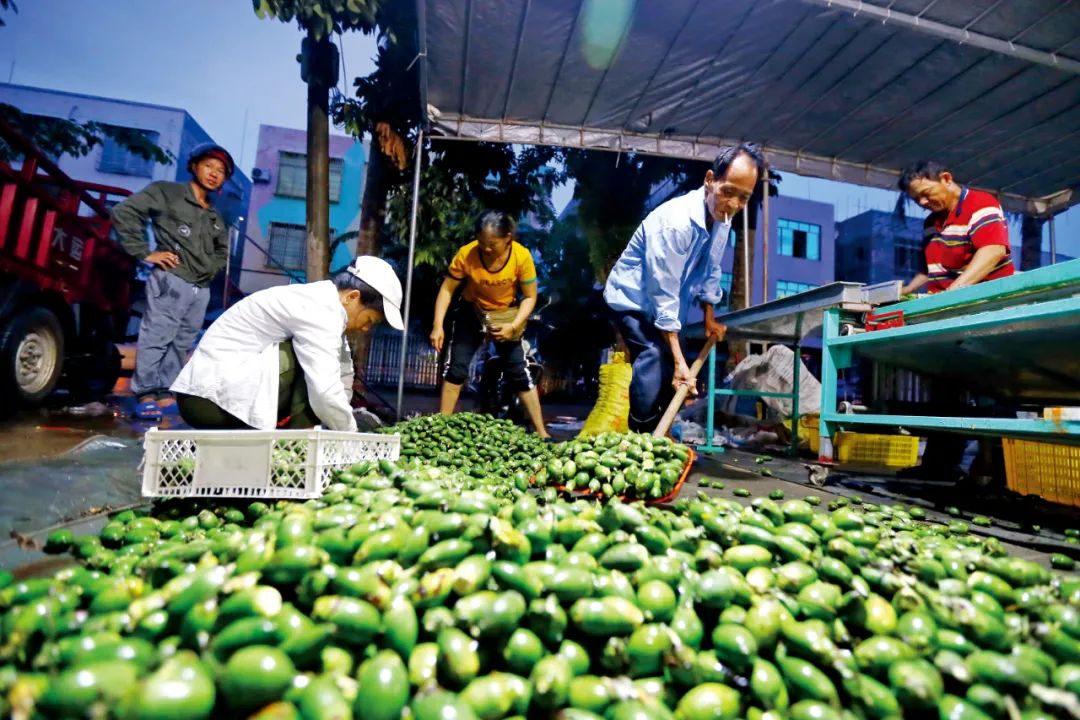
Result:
pixel 841 89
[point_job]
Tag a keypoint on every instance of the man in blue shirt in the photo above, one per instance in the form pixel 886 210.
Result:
pixel 672 261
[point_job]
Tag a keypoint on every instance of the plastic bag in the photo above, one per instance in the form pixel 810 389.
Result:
pixel 773 372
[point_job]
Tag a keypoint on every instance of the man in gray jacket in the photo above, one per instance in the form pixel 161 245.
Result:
pixel 191 245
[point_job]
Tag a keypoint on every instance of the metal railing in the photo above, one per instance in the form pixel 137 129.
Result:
pixel 384 360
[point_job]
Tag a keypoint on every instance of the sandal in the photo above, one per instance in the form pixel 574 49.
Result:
pixel 148 411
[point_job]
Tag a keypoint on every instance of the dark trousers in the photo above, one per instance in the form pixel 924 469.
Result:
pixel 465 335
pixel 293 405
pixel 654 367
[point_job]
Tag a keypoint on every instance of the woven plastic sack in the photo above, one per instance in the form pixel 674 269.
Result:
pixel 612 407
pixel 773 372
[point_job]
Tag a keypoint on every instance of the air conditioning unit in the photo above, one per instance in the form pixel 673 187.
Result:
pixel 260 175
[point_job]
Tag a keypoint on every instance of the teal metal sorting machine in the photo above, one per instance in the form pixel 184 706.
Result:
pixel 1016 339
pixel 790 321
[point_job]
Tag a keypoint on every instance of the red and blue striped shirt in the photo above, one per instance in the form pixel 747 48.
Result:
pixel 952 239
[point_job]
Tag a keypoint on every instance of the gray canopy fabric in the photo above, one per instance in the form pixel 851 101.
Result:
pixel 840 89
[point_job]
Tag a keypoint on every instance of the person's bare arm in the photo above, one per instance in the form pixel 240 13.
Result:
pixel 985 260
pixel 682 370
pixel 442 304
pixel 713 329
pixel 915 283
pixel 528 302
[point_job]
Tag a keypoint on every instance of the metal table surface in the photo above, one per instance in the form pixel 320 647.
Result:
pixel 795 317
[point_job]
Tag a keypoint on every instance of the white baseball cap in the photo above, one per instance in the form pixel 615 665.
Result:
pixel 378 273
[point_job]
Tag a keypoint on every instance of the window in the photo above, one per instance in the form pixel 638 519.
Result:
pixel 798 239
pixel 288 245
pixel 907 255
pixel 117 159
pixel 292 176
pixel 790 287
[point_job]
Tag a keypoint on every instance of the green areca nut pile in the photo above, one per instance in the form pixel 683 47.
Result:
pixel 416 591
pixel 631 465
pixel 479 445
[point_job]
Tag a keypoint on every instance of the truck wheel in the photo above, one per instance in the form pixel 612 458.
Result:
pixel 31 355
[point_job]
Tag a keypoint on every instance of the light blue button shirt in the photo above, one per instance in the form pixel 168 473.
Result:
pixel 671 262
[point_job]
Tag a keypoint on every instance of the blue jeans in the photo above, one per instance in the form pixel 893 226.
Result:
pixel 654 367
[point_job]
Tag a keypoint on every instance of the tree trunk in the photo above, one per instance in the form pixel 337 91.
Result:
pixel 373 204
pixel 372 216
pixel 318 166
pixel 1031 243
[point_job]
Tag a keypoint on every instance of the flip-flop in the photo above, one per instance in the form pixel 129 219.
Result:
pixel 148 411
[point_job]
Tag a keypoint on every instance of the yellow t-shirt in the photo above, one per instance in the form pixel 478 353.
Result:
pixel 492 289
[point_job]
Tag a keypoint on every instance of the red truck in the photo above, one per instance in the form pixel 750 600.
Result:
pixel 65 286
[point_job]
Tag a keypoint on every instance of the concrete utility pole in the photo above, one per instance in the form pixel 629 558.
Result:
pixel 319 64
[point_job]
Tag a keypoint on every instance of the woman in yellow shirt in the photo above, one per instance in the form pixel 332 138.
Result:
pixel 493 268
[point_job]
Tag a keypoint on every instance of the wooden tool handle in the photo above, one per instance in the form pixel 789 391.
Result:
pixel 683 391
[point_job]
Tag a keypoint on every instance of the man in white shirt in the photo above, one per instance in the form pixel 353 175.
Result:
pixel 275 357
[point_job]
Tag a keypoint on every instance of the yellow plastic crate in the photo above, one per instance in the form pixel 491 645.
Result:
pixel 1049 470
pixel 808 431
pixel 893 451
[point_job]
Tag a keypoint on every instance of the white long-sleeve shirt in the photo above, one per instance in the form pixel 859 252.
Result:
pixel 235 364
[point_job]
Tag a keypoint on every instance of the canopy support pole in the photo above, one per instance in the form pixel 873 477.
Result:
pixel 747 302
pixel 765 237
pixel 409 269
pixel 1053 242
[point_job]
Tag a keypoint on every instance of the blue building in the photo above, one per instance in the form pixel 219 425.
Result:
pixel 878 246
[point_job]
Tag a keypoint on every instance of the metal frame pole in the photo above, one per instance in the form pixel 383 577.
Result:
pixel 765 238
pixel 710 413
pixel 409 269
pixel 922 24
pixel 830 331
pixel 228 269
pixel 796 377
pixel 747 291
pixel 1053 242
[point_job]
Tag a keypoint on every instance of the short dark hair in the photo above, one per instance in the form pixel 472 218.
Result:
pixel 495 223
pixel 922 170
pixel 369 296
pixel 728 154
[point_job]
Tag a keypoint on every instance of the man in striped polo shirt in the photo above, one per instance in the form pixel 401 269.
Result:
pixel 966 240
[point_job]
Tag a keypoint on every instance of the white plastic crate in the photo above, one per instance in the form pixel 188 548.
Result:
pixel 279 464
